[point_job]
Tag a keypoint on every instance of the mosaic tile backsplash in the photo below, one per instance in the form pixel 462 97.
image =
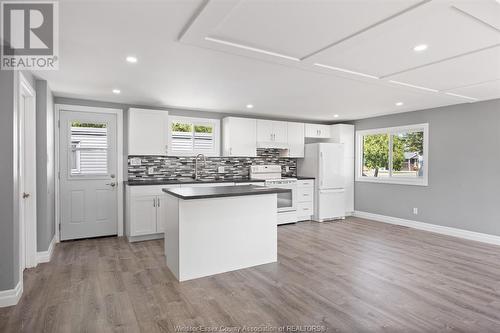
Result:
pixel 177 168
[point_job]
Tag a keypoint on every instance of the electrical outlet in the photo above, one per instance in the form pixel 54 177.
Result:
pixel 415 211
pixel 151 170
pixel 287 168
pixel 220 169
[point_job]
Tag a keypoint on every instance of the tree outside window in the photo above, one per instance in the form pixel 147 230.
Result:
pixel 393 153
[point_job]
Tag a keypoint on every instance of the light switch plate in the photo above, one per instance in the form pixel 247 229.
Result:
pixel 135 161
pixel 220 169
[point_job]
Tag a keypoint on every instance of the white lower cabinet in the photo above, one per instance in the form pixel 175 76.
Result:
pixel 143 213
pixel 305 199
pixel 146 213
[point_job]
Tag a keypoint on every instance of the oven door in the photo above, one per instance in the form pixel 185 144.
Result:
pixel 286 201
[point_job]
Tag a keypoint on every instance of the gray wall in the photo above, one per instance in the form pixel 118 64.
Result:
pixel 9 231
pixel 464 170
pixel 45 165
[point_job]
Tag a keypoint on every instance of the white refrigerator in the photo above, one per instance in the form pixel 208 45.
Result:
pixel 325 162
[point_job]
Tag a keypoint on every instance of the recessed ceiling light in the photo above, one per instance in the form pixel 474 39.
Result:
pixel 420 47
pixel 399 103
pixel 335 116
pixel 249 106
pixel 413 86
pixel 346 71
pixel 131 59
pixel 116 91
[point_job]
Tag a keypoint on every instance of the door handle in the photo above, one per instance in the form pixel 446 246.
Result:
pixel 112 184
pixel 25 195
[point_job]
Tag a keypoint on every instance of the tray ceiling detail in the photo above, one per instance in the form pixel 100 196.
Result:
pixel 362 40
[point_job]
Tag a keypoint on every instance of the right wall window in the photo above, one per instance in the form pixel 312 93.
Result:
pixel 396 155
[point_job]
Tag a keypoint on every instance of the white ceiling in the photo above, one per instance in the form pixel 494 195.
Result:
pixel 178 67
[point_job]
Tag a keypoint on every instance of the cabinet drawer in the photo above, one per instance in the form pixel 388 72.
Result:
pixel 304 210
pixel 305 194
pixel 305 183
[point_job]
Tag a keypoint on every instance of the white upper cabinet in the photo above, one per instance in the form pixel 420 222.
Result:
pixel 271 134
pixel 344 133
pixel 295 133
pixel 239 136
pixel 147 132
pixel 317 131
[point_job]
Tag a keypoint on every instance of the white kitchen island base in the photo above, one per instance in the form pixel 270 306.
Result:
pixel 215 235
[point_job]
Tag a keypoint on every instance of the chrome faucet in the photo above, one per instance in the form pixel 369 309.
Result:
pixel 196 165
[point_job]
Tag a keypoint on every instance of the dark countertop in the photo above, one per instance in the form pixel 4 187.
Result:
pixel 188 193
pixel 188 181
pixel 305 178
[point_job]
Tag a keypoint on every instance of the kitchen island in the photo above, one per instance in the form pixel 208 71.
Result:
pixel 211 230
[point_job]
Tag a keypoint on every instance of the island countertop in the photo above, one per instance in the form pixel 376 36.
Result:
pixel 189 193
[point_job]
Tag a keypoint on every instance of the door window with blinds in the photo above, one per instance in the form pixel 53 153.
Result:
pixel 89 149
pixel 191 136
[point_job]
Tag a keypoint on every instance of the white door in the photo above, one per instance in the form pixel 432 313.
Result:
pixel 264 131
pixel 147 132
pixel 240 137
pixel 295 133
pixel 88 174
pixel 280 132
pixel 143 212
pixel 27 175
pixel 331 165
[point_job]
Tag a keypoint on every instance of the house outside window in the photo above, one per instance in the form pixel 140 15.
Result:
pixel 192 136
pixel 395 155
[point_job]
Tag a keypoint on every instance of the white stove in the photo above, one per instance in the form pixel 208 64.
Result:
pixel 271 174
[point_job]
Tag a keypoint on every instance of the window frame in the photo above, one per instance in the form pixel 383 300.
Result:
pixel 423 181
pixel 194 121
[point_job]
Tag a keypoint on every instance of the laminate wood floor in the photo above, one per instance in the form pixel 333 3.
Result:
pixel 352 276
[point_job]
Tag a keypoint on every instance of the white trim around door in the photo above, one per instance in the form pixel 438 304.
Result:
pixel 120 159
pixel 26 166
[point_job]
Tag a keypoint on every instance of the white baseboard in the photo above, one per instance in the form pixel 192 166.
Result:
pixel 12 296
pixel 466 234
pixel 45 256
pixel 142 238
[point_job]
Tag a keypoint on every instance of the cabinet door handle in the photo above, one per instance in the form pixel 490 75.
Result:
pixel 154 202
pixel 158 202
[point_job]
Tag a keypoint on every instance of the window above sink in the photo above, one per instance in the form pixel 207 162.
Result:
pixel 191 136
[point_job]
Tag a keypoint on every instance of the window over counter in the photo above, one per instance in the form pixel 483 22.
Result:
pixel 395 155
pixel 191 136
